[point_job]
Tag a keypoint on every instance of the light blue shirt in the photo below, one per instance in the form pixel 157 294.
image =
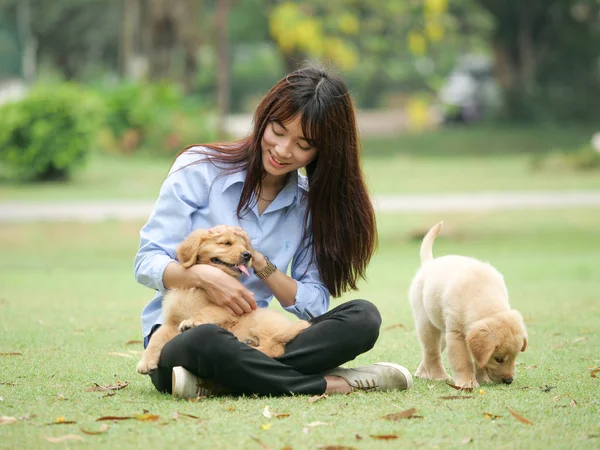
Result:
pixel 201 196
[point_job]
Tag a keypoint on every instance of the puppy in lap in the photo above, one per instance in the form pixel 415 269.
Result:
pixel 265 329
pixel 462 304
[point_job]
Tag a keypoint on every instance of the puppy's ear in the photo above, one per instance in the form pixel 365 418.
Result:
pixel 481 343
pixel 187 252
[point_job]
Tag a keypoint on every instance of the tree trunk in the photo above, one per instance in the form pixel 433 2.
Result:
pixel 222 65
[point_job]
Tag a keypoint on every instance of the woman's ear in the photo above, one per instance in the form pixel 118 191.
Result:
pixel 187 252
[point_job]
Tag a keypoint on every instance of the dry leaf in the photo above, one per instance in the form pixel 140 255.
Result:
pixel 491 416
pixel 594 372
pixel 146 417
pixel 335 447
pixel 455 397
pixel 7 383
pixel 459 388
pixel 261 443
pixel 316 424
pixel 114 418
pixel 482 392
pixel 61 421
pixel 547 388
pixel 113 387
pixel 5 420
pixel 282 415
pixel 466 440
pixel 134 342
pixel 11 354
pixel 316 398
pixel 391 327
pixel 265 426
pixel 104 428
pixel 385 437
pixel 520 417
pixel 408 414
pixel 573 403
pixel 124 355
pixel 579 339
pixel 68 437
pixel 266 413
pixel 177 415
pixel 358 437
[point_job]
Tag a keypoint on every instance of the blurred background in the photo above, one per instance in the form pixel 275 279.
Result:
pixel 86 82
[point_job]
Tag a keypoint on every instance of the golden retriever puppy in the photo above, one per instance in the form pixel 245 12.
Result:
pixel 265 329
pixel 462 304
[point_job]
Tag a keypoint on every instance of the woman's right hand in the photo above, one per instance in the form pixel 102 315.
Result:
pixel 224 290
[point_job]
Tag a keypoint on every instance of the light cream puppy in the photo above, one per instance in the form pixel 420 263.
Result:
pixel 462 303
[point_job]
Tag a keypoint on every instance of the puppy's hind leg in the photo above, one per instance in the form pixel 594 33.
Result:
pixel 151 354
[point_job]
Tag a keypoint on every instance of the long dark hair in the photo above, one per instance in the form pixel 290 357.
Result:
pixel 340 212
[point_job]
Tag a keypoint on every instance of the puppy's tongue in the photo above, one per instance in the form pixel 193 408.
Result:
pixel 244 270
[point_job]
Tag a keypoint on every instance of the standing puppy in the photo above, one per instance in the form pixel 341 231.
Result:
pixel 462 303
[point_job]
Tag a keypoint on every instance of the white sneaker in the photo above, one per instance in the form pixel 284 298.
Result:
pixel 383 376
pixel 184 384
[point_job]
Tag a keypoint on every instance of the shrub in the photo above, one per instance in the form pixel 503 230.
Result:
pixel 49 132
pixel 583 159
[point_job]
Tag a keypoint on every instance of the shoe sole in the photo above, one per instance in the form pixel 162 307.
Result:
pixel 403 370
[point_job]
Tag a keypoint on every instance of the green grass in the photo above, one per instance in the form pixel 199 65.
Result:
pixel 68 300
pixel 449 160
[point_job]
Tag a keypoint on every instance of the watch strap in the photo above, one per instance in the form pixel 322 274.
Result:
pixel 266 271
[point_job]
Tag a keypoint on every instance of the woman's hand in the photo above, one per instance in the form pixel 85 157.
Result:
pixel 224 290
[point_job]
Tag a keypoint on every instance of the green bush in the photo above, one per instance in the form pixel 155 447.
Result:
pixel 49 132
pixel 584 159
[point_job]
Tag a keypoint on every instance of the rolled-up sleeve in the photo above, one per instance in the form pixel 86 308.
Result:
pixel 312 297
pixel 182 193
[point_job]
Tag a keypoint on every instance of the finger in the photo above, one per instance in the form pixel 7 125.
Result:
pixel 230 310
pixel 237 310
pixel 249 299
pixel 245 305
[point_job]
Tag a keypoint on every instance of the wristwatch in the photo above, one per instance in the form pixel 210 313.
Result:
pixel 265 271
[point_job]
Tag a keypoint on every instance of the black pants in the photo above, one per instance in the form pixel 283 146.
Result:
pixel 212 353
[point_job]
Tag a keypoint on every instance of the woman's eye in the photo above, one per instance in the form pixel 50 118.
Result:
pixel 275 131
pixel 499 360
pixel 304 148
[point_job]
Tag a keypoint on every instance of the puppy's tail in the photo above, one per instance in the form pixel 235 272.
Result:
pixel 427 244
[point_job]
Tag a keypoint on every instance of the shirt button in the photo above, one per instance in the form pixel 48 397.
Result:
pixel 254 241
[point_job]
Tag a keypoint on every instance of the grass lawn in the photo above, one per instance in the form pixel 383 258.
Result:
pixel 450 160
pixel 69 306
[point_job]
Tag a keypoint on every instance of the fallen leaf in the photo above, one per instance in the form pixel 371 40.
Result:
pixel 112 387
pixel 316 398
pixel 134 342
pixel 7 383
pixel 124 355
pixel 558 397
pixel 176 415
pixel 456 397
pixel 265 426
pixel 466 440
pixel 391 327
pixel 482 392
pixel 459 388
pixel 547 388
pixel 594 372
pixel 5 420
pixel 68 437
pixel 491 416
pixel 114 418
pixel 316 424
pixel 11 354
pixel 520 417
pixel 282 415
pixel 261 443
pixel 358 437
pixel 146 417
pixel 573 403
pixel 61 421
pixel 104 428
pixel 266 413
pixel 109 394
pixel 579 339
pixel 408 414
pixel 385 437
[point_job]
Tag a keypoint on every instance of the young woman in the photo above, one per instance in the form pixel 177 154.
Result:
pixel 321 223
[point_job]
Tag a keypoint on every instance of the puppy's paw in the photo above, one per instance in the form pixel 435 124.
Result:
pixel 188 325
pixel 467 385
pixel 432 373
pixel 146 366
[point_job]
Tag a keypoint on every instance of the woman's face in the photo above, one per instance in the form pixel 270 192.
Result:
pixel 285 148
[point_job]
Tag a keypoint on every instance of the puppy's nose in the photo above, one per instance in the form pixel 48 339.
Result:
pixel 507 380
pixel 247 256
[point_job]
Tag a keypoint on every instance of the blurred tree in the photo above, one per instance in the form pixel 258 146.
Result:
pixel 546 56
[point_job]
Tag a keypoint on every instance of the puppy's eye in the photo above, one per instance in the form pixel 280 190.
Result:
pixel 499 359
pixel 228 243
